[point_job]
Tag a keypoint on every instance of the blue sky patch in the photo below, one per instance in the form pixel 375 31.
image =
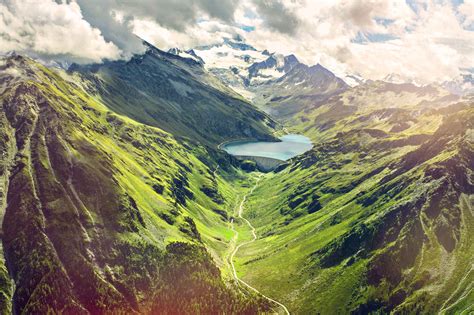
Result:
pixel 457 2
pixel 248 28
pixel 416 6
pixel 383 21
pixel 364 38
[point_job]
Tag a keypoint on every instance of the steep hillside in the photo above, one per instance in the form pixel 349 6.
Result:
pixel 105 214
pixel 175 94
pixel 372 218
pixel 395 108
pixel 297 90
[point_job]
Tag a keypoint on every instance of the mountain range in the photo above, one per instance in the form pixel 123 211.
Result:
pixel 115 195
pixel 284 87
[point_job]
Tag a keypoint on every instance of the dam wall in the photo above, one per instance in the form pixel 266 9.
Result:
pixel 264 164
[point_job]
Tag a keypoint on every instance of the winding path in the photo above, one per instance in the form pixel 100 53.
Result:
pixel 236 249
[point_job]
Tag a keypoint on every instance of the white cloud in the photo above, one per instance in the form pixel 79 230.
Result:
pixel 203 33
pixel 466 10
pixel 165 20
pixel 427 45
pixel 423 39
pixel 46 29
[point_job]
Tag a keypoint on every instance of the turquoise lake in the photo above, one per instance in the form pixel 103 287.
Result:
pixel 290 146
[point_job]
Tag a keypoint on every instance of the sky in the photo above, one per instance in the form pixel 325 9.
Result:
pixel 421 40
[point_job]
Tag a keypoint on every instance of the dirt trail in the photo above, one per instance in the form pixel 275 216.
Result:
pixel 236 249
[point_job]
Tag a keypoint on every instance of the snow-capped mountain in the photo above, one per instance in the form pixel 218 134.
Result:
pixel 244 68
pixel 189 54
pixel 240 65
pixel 399 79
pixel 273 67
pixel 353 79
pixel 231 53
pixel 270 80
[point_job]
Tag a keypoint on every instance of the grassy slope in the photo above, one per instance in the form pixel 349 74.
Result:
pixel 376 216
pixel 96 200
pixel 296 91
pixel 385 106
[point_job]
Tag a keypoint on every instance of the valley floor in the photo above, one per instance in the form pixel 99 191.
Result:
pixel 235 245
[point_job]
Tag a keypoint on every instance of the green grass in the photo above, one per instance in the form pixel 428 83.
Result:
pixel 284 262
pixel 107 209
pixel 107 197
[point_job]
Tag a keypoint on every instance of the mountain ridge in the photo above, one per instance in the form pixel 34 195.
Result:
pixel 189 97
pixel 102 211
pixel 115 196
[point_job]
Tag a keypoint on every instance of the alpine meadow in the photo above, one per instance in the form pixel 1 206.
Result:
pixel 236 157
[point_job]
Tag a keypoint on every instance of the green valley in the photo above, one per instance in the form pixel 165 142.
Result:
pixel 116 197
pixel 370 220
